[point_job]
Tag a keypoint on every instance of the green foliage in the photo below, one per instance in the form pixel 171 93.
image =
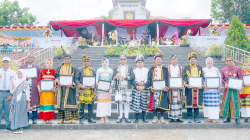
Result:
pixel 236 35
pixel 213 50
pixel 59 52
pixel 12 15
pixel 132 50
pixel 13 65
pixel 222 11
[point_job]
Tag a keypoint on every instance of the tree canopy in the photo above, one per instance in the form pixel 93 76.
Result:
pixel 12 15
pixel 222 11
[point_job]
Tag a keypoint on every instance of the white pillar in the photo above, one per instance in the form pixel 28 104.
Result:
pixel 102 34
pixel 157 34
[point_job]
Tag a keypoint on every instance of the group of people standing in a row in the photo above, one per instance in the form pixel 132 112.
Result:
pixel 19 94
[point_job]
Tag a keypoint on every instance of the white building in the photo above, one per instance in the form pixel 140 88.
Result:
pixel 129 9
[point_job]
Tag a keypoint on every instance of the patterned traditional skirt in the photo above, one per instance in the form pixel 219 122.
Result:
pixel 212 104
pixel 139 100
pixel 176 109
pixel 47 102
pixel 86 96
pixel 195 98
pixel 126 95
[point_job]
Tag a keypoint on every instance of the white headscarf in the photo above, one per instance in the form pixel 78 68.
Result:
pixel 18 81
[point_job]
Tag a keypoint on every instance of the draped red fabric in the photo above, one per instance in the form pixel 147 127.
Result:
pixel 130 31
pixel 162 30
pixel 193 29
pixel 129 22
pixel 186 22
pixel 98 28
pixel 73 23
pixel 70 32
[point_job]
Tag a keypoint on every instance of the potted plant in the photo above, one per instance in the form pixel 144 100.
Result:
pixel 184 41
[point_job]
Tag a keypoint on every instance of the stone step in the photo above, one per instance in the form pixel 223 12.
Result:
pixel 140 125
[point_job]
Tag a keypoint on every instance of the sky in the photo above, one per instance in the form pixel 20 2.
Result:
pixel 46 10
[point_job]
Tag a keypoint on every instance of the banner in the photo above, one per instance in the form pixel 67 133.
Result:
pixel 48 42
pixel 204 41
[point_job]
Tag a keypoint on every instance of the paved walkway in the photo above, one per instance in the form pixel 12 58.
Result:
pixel 183 134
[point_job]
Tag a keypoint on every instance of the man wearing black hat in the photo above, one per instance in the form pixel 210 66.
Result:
pixel 86 94
pixel 175 94
pixel 158 101
pixel 193 96
pixel 66 101
pixel 140 92
pixel 34 93
pixel 123 77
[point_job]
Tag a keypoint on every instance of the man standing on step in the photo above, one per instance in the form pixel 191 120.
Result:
pixel 175 95
pixel 193 96
pixel 123 77
pixel 230 106
pixel 140 92
pixel 34 94
pixel 158 101
pixel 6 76
pixel 66 101
pixel 86 94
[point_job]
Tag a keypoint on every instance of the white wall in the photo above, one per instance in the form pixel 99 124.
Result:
pixel 139 13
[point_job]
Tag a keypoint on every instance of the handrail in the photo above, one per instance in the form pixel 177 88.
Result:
pixel 240 56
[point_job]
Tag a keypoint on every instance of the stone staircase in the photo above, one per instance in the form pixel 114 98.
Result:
pixel 97 54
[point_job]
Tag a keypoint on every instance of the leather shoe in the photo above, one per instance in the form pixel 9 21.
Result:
pixel 119 121
pixel 91 121
pixel 227 120
pixel 81 121
pixel 237 121
pixel 179 120
pixel 127 121
pixel 171 120
pixel 34 121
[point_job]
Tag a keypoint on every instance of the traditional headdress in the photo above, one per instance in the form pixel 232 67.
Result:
pixel 123 56
pixel 158 55
pixel 30 55
pixel 139 58
pixel 192 54
pixel 64 53
pixel 229 58
pixel 173 56
pixel 84 57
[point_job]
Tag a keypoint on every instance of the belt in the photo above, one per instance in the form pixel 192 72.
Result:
pixel 4 90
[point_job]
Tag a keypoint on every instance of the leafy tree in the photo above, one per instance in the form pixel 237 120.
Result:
pixel 105 17
pixel 237 36
pixel 12 15
pixel 224 10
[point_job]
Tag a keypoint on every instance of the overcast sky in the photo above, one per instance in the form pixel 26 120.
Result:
pixel 46 10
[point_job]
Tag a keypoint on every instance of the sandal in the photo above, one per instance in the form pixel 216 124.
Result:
pixel 106 120
pixel 209 120
pixel 214 121
pixel 44 122
pixel 102 120
pixel 49 122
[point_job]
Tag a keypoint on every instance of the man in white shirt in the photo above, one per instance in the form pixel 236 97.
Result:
pixel 123 77
pixel 175 94
pixel 6 75
pixel 110 37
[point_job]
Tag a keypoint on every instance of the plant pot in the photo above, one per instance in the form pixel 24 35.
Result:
pixel 185 45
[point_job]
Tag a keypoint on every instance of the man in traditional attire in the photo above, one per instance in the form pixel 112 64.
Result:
pixel 6 75
pixel 123 77
pixel 158 101
pixel 175 95
pixel 230 107
pixel 86 94
pixel 140 92
pixel 34 94
pixel 66 101
pixel 193 96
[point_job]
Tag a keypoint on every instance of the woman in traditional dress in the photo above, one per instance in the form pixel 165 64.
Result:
pixel 20 102
pixel 104 98
pixel 211 96
pixel 47 98
pixel 245 94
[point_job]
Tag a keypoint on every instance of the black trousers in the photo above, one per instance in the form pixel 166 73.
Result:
pixel 34 115
pixel 156 110
pixel 90 110
pixel 190 113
